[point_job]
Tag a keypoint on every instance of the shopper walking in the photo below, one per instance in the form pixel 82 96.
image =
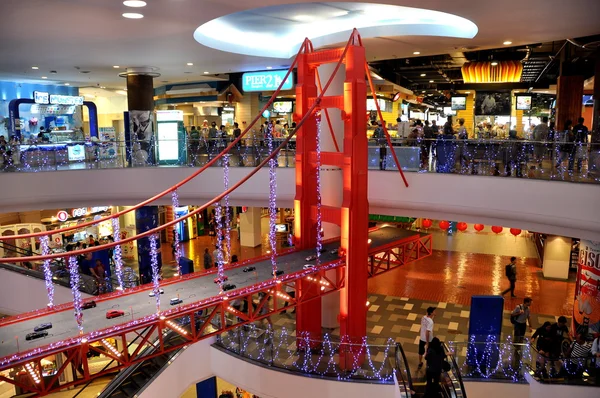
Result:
pixel 435 365
pixel 208 262
pixel 426 333
pixel 520 317
pixel 510 270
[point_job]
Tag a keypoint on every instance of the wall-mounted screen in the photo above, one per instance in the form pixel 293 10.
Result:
pixel 524 102
pixel 282 107
pixel 459 103
pixel 492 103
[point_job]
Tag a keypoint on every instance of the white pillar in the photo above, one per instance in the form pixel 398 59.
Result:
pixel 557 257
pixel 331 181
pixel 250 230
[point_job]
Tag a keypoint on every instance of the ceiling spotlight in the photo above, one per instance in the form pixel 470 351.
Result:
pixel 507 43
pixel 494 63
pixel 44 77
pixel 134 3
pixel 269 67
pixel 102 87
pixel 206 72
pixel 467 92
pixel 35 67
pixel 116 66
pixel 416 53
pixel 190 64
pixel 431 81
pixel 423 91
pixel 67 84
pixel 132 15
pixel 423 74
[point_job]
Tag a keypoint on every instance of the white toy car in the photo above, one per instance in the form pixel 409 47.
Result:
pixel 151 294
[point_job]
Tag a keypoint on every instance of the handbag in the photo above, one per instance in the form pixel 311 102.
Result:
pixel 446 366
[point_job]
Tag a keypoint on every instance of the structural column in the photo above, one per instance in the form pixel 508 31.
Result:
pixel 557 257
pixel 140 102
pixel 146 218
pixel 586 311
pixel 250 227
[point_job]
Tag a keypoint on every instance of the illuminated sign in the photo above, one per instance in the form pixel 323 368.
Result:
pixel 169 116
pixel 82 211
pixel 62 216
pixel 43 98
pixel 266 81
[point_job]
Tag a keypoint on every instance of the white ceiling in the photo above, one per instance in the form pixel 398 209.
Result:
pixel 91 34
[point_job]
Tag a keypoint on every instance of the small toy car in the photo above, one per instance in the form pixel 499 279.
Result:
pixel 311 258
pixel 308 266
pixel 151 294
pixel 36 335
pixel 218 280
pixel 175 301
pixel 278 272
pixel 88 304
pixel 114 314
pixel 42 326
pixel 228 286
pixel 249 269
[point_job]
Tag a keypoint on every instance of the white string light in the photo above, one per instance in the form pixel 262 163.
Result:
pixel 155 271
pixel 77 301
pixel 117 253
pixel 47 270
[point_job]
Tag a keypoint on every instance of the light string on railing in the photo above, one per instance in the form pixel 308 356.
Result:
pixel 47 271
pixel 176 237
pixel 318 175
pixel 272 202
pixel 220 260
pixel 155 270
pixel 226 205
pixel 117 253
pixel 77 301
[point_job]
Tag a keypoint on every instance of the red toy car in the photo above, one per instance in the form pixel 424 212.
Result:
pixel 114 314
pixel 225 277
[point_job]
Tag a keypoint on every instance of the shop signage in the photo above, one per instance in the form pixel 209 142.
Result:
pixel 43 98
pixel 82 211
pixel 228 109
pixel 62 216
pixel 52 109
pixel 169 116
pixel 266 81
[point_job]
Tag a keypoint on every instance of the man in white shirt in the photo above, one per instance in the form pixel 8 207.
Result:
pixel 426 333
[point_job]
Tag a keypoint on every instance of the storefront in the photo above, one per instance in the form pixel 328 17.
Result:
pixel 74 217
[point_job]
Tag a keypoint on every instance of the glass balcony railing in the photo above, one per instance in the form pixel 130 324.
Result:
pixel 543 160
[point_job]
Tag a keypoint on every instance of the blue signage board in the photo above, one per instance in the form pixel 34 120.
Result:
pixel 268 80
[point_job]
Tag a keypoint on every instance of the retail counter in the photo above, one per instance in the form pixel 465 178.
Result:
pixel 37 155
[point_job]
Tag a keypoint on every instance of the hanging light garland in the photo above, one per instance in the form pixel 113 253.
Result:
pixel 77 302
pixel 272 201
pixel 220 260
pixel 117 253
pixel 318 174
pixel 47 270
pixel 155 271
pixel 175 201
pixel 226 205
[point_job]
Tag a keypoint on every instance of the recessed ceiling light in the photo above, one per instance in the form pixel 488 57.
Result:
pixel 423 74
pixel 67 84
pixel 467 92
pixel 102 87
pixel 134 3
pixel 35 67
pixel 269 67
pixel 190 64
pixel 133 15
pixel 44 77
pixel 507 43
pixel 546 92
pixel 494 63
pixel 116 66
pixel 516 91
pixel 416 53
pixel 206 72
pixel 431 81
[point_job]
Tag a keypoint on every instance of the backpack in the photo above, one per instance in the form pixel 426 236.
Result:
pixel 513 318
pixel 508 270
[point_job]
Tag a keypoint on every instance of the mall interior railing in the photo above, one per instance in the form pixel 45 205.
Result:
pixel 280 349
pixel 547 160
pixel 452 379
pixel 510 362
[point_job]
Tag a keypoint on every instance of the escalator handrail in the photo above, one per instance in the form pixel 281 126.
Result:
pixel 400 351
pixel 18 249
pixel 455 370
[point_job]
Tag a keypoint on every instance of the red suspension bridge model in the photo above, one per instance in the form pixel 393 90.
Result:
pixel 345 263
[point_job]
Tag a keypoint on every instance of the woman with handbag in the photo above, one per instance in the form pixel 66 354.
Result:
pixel 436 362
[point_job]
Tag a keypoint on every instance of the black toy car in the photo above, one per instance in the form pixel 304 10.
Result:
pixel 249 269
pixel 278 272
pixel 36 335
pixel 228 286
pixel 42 326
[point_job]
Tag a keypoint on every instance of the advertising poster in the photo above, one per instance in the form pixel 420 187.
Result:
pixel 142 138
pixel 492 103
pixel 586 307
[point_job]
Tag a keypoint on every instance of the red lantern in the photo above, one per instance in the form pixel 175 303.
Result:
pixel 427 223
pixel 496 229
pixel 515 231
pixel 444 225
pixel 478 227
pixel 462 226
